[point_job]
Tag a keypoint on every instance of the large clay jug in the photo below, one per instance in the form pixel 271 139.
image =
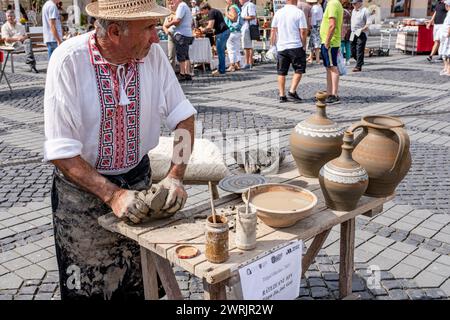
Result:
pixel 383 150
pixel 316 140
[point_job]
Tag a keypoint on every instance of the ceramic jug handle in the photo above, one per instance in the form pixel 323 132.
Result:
pixel 353 128
pixel 403 141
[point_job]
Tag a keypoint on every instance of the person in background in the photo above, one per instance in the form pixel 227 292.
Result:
pixel 182 37
pixel 13 33
pixel 345 33
pixel 217 23
pixel 444 48
pixel 439 15
pixel 305 6
pixel 171 50
pixel 196 15
pixel 289 32
pixel 316 16
pixel 233 21
pixel 330 37
pixel 359 26
pixel 51 26
pixel 248 13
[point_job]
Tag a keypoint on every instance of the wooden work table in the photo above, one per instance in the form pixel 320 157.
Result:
pixel 160 238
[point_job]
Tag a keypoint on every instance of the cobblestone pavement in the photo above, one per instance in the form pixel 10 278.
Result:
pixel 409 242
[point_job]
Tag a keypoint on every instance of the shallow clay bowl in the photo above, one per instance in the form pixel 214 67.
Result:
pixel 274 217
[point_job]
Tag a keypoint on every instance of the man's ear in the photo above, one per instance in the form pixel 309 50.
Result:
pixel 114 33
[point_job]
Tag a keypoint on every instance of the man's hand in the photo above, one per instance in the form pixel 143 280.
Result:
pixel 127 204
pixel 176 197
pixel 428 25
pixel 327 45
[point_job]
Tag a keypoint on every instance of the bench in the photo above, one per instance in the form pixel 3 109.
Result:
pixel 37 40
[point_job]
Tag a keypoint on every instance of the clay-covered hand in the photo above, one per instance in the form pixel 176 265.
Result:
pixel 155 199
pixel 177 195
pixel 126 204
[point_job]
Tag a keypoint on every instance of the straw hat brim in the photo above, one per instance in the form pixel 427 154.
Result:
pixel 155 12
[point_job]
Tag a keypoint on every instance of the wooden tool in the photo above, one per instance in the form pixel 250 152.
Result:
pixel 213 210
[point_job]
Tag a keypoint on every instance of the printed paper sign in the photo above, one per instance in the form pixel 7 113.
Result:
pixel 275 276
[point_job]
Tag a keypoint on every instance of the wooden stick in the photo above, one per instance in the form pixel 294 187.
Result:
pixel 248 201
pixel 212 201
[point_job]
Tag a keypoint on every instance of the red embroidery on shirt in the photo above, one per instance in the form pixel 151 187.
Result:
pixel 118 146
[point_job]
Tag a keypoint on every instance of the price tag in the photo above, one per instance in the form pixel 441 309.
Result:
pixel 275 276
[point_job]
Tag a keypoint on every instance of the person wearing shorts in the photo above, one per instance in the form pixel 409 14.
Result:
pixel 438 19
pixel 330 36
pixel 182 37
pixel 289 32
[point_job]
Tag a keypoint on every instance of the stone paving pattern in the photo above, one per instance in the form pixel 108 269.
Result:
pixel 409 242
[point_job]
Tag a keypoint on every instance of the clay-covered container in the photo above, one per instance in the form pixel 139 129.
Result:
pixel 343 180
pixel 383 150
pixel 316 140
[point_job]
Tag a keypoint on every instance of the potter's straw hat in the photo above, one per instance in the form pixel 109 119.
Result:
pixel 126 10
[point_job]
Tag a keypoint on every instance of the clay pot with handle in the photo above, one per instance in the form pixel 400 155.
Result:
pixel 383 150
pixel 316 140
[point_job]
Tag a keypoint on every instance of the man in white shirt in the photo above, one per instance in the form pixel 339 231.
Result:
pixel 51 26
pixel 13 33
pixel 359 27
pixel 248 13
pixel 182 37
pixel 289 31
pixel 106 94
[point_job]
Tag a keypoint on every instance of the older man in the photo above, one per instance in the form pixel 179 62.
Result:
pixel 106 94
pixel 359 27
pixel 182 36
pixel 14 35
pixel 330 37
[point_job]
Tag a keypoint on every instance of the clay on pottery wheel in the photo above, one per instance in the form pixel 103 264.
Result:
pixel 316 140
pixel 343 180
pixel 383 150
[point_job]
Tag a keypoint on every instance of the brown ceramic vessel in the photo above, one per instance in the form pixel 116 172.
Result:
pixel 383 150
pixel 316 140
pixel 343 180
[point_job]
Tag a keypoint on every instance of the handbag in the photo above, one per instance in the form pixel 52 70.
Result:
pixel 341 64
pixel 254 32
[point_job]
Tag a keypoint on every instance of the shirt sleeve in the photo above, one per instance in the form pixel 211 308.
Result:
pixel 5 33
pixel 302 21
pixel 175 107
pixel 53 12
pixel 180 13
pixel 61 113
pixel 334 11
pixel 275 21
pixel 252 10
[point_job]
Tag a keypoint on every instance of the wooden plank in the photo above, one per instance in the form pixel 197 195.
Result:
pixel 374 212
pixel 214 291
pixel 167 277
pixel 347 251
pixel 313 250
pixel 149 275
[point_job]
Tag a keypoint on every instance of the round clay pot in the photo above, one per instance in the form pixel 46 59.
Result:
pixel 316 140
pixel 343 180
pixel 383 150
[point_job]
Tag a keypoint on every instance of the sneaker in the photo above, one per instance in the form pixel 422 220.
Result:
pixel 283 99
pixel 33 69
pixel 181 77
pixel 356 69
pixel 429 58
pixel 294 96
pixel 332 100
pixel 187 77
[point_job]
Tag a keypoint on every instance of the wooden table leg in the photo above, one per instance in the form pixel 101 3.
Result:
pixel 149 275
pixel 347 251
pixel 167 277
pixel 214 291
pixel 313 250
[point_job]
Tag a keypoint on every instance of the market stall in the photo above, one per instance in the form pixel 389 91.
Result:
pixel 414 37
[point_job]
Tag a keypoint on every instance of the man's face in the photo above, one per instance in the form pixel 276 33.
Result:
pixel 11 17
pixel 204 12
pixel 139 38
pixel 357 5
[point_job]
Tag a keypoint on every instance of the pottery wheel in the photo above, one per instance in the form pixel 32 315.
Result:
pixel 240 183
